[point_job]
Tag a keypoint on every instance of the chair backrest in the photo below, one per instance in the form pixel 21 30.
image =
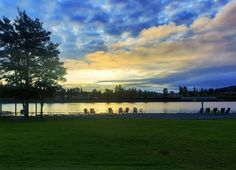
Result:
pixel 92 111
pixel 86 111
pixel 120 111
pixel 222 110
pixel 135 110
pixel 208 110
pixel 126 110
pixel 228 110
pixel 110 111
pixel 215 110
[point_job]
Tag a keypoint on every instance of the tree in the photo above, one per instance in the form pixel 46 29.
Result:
pixel 180 90
pixel 29 59
pixel 185 91
pixel 165 92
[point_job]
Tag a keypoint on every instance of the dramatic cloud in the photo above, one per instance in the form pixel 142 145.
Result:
pixel 141 43
pixel 200 54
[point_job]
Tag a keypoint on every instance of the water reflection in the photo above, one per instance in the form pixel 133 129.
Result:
pixel 148 107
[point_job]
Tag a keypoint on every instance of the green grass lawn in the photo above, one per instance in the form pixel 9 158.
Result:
pixel 117 144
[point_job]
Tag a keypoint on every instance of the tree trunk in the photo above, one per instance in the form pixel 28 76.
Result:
pixel 0 107
pixel 36 109
pixel 41 109
pixel 15 108
pixel 26 108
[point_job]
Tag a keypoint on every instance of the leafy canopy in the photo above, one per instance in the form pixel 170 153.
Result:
pixel 28 57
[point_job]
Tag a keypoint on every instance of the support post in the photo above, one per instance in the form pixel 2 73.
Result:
pixel 15 108
pixel 36 109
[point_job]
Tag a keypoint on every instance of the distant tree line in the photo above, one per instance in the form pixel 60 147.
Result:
pixel 121 93
pixel 108 94
pixel 203 92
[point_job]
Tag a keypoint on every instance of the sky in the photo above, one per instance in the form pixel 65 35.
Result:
pixel 148 44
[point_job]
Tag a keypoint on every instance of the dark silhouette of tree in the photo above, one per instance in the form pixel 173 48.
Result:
pixel 95 94
pixel 185 91
pixel 118 94
pixel 29 59
pixel 165 92
pixel 108 94
pixel 180 90
pixel 194 90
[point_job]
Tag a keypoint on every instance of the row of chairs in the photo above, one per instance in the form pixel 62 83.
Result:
pixel 216 110
pixel 126 111
pixel 110 111
pixel 87 112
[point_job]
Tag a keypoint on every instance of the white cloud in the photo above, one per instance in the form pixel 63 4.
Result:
pixel 210 43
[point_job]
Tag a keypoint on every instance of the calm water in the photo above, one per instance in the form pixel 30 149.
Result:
pixel 148 107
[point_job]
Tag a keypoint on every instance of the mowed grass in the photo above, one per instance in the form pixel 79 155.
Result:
pixel 117 144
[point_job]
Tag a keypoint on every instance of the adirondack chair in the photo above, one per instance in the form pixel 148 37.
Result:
pixel 208 110
pixel 215 110
pixel 110 110
pixel 135 110
pixel 92 111
pixel 86 112
pixel 140 111
pixel 222 110
pixel 126 110
pixel 228 110
pixel 120 111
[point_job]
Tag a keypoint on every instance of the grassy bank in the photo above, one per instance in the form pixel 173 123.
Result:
pixel 117 144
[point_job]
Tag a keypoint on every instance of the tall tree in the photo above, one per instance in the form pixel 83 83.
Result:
pixel 165 92
pixel 28 58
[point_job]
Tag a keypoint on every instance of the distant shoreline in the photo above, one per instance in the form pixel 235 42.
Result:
pixel 185 99
pixel 187 116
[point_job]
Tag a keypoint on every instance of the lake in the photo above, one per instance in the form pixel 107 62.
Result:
pixel 148 107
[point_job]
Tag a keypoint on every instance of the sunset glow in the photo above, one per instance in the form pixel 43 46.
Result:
pixel 144 44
